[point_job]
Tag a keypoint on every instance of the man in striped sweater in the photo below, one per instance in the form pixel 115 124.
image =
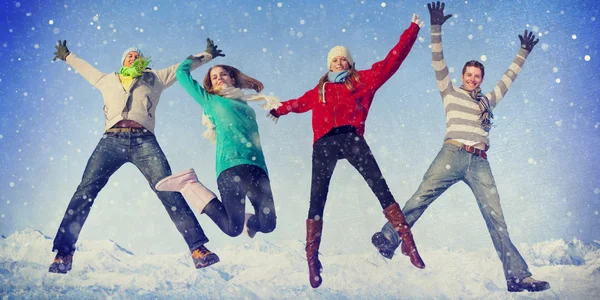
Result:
pixel 463 156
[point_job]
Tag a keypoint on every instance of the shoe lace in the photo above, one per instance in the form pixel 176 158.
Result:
pixel 63 258
pixel 201 252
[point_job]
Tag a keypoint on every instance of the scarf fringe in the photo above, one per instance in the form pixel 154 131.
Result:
pixel 485 115
pixel 272 102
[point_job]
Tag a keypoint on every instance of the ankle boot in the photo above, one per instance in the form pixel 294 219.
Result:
pixel 186 182
pixel 62 263
pixel 408 247
pixel 313 240
pixel 203 257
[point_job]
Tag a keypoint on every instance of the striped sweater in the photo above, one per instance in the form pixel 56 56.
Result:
pixel 462 112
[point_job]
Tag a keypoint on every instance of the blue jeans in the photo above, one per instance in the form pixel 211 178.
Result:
pixel 113 151
pixel 454 164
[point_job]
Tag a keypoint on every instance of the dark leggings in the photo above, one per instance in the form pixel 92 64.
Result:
pixel 235 184
pixel 343 143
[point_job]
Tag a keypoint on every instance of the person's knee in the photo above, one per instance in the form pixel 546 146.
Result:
pixel 233 231
pixel 269 227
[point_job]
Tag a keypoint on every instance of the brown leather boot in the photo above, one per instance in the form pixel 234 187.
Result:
pixel 408 247
pixel 313 240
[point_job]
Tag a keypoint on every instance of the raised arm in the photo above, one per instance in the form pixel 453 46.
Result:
pixel 527 44
pixel 300 105
pixel 383 70
pixel 437 19
pixel 167 75
pixel 184 76
pixel 91 74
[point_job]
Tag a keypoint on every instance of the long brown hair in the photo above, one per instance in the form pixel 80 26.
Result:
pixel 353 79
pixel 242 80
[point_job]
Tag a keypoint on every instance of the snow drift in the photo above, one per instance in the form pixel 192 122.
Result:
pixel 260 269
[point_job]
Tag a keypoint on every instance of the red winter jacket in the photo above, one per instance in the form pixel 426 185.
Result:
pixel 342 107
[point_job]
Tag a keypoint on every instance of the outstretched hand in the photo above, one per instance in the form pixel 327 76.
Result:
pixel 416 20
pixel 61 50
pixel 527 41
pixel 436 13
pixel 212 49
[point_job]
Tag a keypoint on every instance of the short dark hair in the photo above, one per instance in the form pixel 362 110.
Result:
pixel 476 64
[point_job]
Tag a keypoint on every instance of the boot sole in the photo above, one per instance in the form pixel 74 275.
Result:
pixel 539 288
pixel 211 259
pixel 58 270
pixel 160 185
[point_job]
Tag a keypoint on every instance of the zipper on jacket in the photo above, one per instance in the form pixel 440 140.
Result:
pixel 333 109
pixel 129 99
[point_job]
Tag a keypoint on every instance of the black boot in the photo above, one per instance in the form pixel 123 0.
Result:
pixel 385 247
pixel 527 283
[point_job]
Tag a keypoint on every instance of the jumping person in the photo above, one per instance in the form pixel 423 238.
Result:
pixel 241 168
pixel 340 104
pixel 463 156
pixel 130 99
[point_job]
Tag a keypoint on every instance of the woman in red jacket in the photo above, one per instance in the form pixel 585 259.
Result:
pixel 340 104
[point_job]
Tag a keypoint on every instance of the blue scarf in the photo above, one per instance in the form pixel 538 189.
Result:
pixel 337 77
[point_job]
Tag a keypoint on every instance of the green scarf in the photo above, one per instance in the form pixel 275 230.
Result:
pixel 136 69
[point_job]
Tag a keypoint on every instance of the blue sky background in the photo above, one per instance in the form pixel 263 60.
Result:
pixel 543 149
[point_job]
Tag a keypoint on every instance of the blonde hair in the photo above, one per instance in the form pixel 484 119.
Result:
pixel 242 80
pixel 352 80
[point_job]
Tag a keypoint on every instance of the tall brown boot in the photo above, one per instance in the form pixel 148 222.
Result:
pixel 408 247
pixel 313 240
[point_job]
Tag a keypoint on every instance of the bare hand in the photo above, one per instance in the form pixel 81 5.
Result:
pixel 416 20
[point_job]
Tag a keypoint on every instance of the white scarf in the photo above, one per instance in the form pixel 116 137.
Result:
pixel 273 102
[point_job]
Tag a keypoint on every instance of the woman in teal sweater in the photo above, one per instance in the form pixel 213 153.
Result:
pixel 241 168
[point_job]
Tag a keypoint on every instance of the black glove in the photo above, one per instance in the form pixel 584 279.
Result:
pixel 527 41
pixel 61 50
pixel 212 49
pixel 436 13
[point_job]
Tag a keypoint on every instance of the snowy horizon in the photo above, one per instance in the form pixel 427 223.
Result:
pixel 259 269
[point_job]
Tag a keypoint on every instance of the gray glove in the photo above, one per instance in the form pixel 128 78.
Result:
pixel 436 13
pixel 212 49
pixel 61 50
pixel 527 41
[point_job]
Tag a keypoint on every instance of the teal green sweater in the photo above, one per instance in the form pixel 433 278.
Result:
pixel 238 141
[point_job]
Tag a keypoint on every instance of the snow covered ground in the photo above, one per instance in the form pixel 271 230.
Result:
pixel 259 270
